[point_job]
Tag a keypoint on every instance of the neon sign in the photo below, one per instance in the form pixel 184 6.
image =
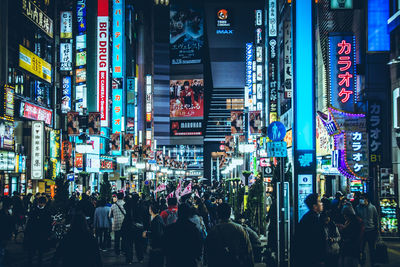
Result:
pixel 118 38
pixel 342 76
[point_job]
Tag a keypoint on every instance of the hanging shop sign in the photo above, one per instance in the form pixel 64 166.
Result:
pixel 66 94
pixel 273 75
pixel 287 53
pixel 80 97
pixel 249 74
pixel 7 161
pixel 81 42
pixel 55 145
pixel 66 56
pixel 79 161
pixel 37 163
pixel 131 104
pixel 342 72
pixel 272 20
pixel 80 75
pixel 255 122
pixel 38 17
pixel 106 163
pixel 92 163
pixel 33 112
pixel 118 38
pixel 376 132
pixel 6 135
pixel 7 109
pixel 34 64
pixel 102 60
pixel 73 123
pixel 117 110
pixel 66 25
pixel 352 144
pixel 80 58
pixel 259 21
pixel 81 15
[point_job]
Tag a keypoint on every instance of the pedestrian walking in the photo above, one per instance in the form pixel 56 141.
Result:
pixel 310 238
pixel 170 215
pixel 37 231
pixel 128 235
pixel 332 239
pixel 182 242
pixel 117 213
pixel 102 223
pixel 369 215
pixel 7 226
pixel 79 247
pixel 155 234
pixel 351 234
pixel 228 244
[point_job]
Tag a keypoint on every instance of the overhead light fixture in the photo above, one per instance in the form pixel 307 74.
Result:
pixel 393 61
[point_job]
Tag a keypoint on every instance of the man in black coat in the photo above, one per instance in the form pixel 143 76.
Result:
pixel 228 243
pixel 310 240
pixel 155 233
pixel 38 230
pixel 182 241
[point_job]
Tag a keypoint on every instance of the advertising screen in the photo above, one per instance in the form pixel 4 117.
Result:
pixel 187 128
pixel 186 35
pixel 6 135
pixel 186 98
pixel 73 123
pixel 94 123
pixel 66 94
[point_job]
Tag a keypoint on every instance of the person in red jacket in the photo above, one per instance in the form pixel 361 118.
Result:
pixel 170 215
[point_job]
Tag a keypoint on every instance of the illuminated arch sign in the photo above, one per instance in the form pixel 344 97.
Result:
pixel 342 72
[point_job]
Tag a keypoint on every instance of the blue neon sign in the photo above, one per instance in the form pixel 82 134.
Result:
pixel 81 15
pixel 118 38
pixel 249 65
pixel 116 110
pixel 304 83
pixel 378 35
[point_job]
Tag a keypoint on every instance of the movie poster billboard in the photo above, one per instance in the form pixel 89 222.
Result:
pixel 229 144
pixel 94 123
pixel 255 122
pixel 116 142
pixel 73 123
pixel 186 98
pixel 237 122
pixel 186 35
pixel 129 142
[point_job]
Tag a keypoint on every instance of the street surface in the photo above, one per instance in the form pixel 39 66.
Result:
pixel 18 258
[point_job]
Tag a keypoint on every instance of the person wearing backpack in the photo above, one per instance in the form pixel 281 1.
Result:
pixel 228 244
pixel 170 215
pixel 117 212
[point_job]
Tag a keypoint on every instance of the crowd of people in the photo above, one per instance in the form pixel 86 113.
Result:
pixel 335 232
pixel 186 231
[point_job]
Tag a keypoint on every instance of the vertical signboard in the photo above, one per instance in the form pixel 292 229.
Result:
pixel 117 110
pixel 149 110
pixel 131 104
pixel 66 25
pixel 249 75
pixel 118 38
pixel 65 56
pixel 378 34
pixel 287 53
pixel 102 61
pixel 81 15
pixel 66 94
pixel 303 104
pixel 37 150
pixel 342 72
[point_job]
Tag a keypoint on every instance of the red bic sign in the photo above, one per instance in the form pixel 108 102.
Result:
pixel 342 72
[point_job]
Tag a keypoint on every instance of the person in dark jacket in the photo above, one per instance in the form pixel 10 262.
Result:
pixel 38 230
pixel 155 234
pixel 7 226
pixel 228 244
pixel 310 238
pixel 182 241
pixel 351 234
pixel 128 234
pixel 79 247
pixel 332 239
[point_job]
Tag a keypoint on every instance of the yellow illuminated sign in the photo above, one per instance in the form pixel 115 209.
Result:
pixel 34 64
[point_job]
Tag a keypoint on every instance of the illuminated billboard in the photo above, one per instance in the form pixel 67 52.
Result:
pixel 118 38
pixel 186 98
